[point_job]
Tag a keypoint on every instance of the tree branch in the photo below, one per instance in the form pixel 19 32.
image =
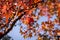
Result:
pixel 13 23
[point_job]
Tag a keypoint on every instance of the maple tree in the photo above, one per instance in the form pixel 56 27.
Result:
pixel 29 14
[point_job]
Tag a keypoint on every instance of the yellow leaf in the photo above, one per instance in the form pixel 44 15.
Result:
pixel 39 38
pixel 25 36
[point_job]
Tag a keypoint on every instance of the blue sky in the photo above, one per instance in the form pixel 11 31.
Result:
pixel 14 33
pixel 17 36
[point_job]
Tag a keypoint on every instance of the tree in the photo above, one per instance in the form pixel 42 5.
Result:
pixel 29 14
pixel 6 38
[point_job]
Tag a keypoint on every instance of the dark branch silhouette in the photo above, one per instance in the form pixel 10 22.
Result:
pixel 19 17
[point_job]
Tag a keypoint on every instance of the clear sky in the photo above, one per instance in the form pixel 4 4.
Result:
pixel 15 31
